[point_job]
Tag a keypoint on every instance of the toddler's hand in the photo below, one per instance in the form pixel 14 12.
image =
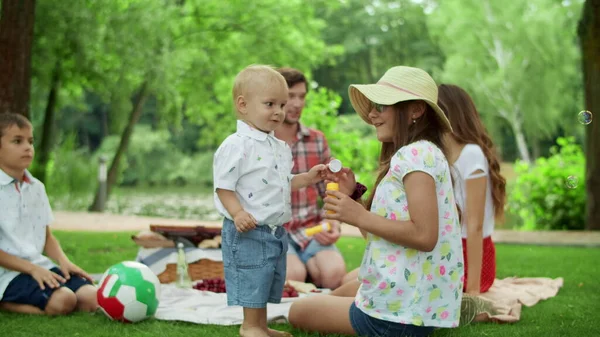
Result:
pixel 319 173
pixel 244 221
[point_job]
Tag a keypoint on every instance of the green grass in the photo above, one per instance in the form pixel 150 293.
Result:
pixel 572 313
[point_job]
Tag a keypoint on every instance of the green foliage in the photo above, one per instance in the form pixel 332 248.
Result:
pixel 350 141
pixel 374 36
pixel 550 194
pixel 152 159
pixel 520 62
pixel 72 174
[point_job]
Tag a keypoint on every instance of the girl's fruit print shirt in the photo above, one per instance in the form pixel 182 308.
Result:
pixel 257 166
pixel 401 284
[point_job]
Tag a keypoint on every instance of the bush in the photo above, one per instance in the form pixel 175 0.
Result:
pixel 550 194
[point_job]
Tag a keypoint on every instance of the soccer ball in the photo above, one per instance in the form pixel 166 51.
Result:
pixel 129 292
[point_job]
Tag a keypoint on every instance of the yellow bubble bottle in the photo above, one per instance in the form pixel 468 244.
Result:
pixel 325 226
pixel 332 187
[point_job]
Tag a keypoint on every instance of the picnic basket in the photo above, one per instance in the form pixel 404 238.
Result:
pixel 198 270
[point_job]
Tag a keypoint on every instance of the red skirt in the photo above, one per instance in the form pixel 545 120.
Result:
pixel 488 267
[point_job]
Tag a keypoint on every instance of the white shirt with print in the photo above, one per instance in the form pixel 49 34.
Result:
pixel 257 166
pixel 404 285
pixel 24 215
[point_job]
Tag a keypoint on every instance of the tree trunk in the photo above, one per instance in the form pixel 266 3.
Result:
pixel 521 142
pixel 589 35
pixel 536 149
pixel 16 37
pixel 113 172
pixel 45 148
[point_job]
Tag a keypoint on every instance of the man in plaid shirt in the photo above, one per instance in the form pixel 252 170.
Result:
pixel 315 256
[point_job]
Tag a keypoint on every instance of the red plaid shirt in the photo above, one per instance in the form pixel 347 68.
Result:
pixel 309 149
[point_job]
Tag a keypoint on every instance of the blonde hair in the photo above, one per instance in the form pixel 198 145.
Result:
pixel 256 76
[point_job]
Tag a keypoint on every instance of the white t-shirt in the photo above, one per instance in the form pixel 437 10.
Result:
pixel 257 166
pixel 404 285
pixel 470 161
pixel 24 214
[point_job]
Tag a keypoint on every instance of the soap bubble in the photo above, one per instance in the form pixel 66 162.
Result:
pixel 572 181
pixel 584 117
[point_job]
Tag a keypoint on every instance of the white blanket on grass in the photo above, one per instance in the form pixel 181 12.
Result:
pixel 205 307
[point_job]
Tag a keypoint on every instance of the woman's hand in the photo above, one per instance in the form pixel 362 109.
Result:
pixel 346 210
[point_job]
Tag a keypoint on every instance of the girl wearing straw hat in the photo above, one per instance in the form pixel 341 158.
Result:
pixel 412 269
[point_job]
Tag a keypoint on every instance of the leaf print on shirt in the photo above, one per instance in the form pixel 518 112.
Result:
pixel 394 306
pixel 259 158
pixel 435 293
pixel 264 181
pixel 250 195
pixel 417 320
pixel 410 277
pixel 376 254
pixel 453 275
pixel 428 161
pixel 231 169
pixel 427 267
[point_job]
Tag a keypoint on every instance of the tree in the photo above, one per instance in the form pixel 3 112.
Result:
pixel 589 35
pixel 374 35
pixel 185 55
pixel 517 61
pixel 16 37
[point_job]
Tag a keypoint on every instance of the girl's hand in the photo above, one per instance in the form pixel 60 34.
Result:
pixel 346 210
pixel 346 179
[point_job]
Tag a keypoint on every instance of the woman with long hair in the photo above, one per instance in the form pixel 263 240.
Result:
pixel 480 188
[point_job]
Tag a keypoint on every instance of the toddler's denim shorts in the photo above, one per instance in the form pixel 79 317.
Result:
pixel 254 264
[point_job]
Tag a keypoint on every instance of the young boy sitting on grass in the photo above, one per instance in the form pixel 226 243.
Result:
pixel 29 281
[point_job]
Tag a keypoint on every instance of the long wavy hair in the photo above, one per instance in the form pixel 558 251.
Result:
pixel 469 129
pixel 428 127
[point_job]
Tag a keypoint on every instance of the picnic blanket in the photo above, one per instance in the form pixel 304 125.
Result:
pixel 194 306
pixel 502 303
pixel 205 307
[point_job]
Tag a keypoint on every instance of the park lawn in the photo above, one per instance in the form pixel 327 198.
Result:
pixel 573 312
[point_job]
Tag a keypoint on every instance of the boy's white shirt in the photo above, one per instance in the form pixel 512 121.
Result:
pixel 24 214
pixel 257 166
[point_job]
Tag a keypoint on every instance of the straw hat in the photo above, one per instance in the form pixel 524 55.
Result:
pixel 398 84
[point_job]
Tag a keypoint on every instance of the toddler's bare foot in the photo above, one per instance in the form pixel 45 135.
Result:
pixel 253 332
pixel 277 333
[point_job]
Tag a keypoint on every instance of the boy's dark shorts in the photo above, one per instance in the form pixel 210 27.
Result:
pixel 24 289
